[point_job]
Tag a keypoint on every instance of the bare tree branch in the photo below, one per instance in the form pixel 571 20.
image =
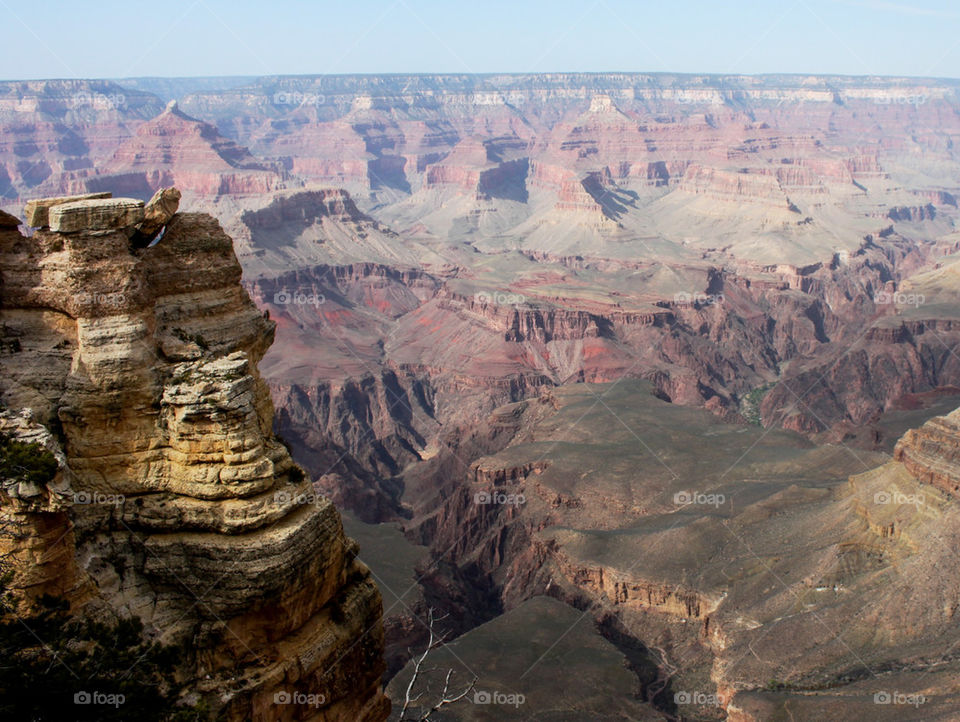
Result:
pixel 416 668
pixel 446 698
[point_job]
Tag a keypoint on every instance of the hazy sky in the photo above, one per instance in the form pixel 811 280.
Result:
pixel 110 38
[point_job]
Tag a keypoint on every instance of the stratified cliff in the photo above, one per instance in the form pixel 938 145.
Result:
pixel 135 363
pixel 930 453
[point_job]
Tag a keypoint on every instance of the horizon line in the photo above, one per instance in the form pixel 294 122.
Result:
pixel 598 73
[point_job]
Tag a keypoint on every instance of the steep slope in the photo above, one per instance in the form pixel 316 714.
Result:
pixel 312 228
pixel 176 149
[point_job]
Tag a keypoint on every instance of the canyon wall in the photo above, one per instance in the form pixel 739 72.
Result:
pixel 388 364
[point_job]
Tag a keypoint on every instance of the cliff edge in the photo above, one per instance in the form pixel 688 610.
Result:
pixel 129 350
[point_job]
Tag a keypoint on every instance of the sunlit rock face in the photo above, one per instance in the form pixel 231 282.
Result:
pixel 174 501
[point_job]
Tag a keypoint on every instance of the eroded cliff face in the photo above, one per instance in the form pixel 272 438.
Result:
pixel 174 501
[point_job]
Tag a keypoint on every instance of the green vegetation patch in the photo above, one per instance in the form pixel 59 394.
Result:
pixel 25 462
pixel 750 405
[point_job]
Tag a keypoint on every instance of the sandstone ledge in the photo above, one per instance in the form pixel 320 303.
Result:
pixel 106 214
pixel 37 211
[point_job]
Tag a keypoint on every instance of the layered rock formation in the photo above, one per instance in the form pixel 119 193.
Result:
pixel 174 501
pixel 309 228
pixel 388 360
pixel 932 452
pixel 175 149
pixel 54 128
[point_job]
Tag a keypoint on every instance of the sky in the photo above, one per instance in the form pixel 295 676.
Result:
pixel 112 39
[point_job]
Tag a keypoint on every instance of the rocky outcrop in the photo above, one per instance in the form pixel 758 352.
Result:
pixel 310 228
pixel 736 187
pixel 499 475
pixel 158 211
pixel 174 501
pixel 912 213
pixel 305 207
pixel 8 221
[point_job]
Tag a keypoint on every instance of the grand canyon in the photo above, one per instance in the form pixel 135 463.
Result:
pixel 618 396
